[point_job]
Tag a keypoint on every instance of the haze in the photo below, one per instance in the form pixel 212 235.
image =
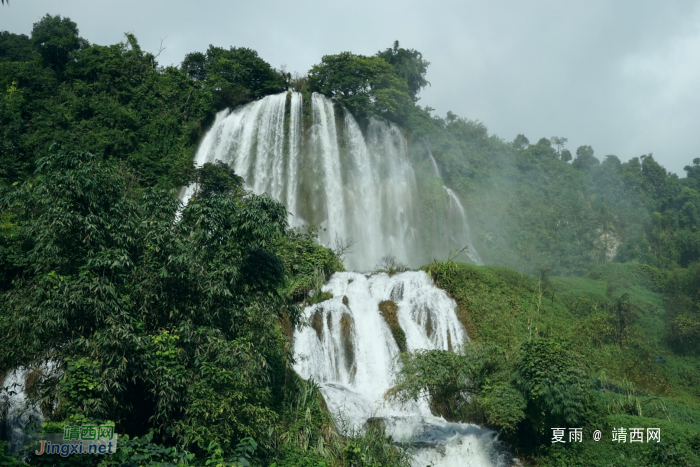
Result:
pixel 623 76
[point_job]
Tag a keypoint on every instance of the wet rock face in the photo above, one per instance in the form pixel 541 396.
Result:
pixel 376 422
pixel 388 310
pixel 317 322
pixel 347 331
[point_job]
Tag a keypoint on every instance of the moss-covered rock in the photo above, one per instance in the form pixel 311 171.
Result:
pixel 388 310
pixel 347 330
pixel 317 322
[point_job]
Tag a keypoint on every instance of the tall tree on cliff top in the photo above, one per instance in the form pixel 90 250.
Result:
pixel 409 65
pixel 365 85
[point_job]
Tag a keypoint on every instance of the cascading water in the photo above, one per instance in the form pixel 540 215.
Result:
pixel 19 414
pixel 349 349
pixel 313 157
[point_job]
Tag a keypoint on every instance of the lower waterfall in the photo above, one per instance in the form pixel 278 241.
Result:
pixel 21 415
pixel 349 350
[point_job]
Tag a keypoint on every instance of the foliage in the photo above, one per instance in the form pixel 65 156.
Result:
pixel 15 47
pixel 178 330
pixel 152 323
pixel 553 382
pixel 241 456
pixel 504 406
pixel 233 76
pixel 136 451
pixel 172 329
pixel 584 158
pixel 142 451
pixel 409 66
pixel 305 262
pixel 216 178
pixel 365 85
pixel 307 436
pixel 373 449
pixel 7 460
pixel 115 101
pixel 530 209
pixel 55 38
pixel 79 388
pixel 473 384
pixel 561 357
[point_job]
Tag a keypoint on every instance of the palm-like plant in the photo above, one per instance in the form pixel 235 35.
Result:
pixel 559 143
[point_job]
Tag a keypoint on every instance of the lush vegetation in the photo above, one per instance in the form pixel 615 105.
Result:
pixel 591 352
pixel 179 332
pixel 115 101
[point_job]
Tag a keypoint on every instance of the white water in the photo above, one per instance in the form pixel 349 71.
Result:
pixel 359 184
pixel 20 414
pixel 350 351
pixel 328 173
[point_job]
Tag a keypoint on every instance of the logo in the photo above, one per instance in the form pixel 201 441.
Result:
pixel 79 439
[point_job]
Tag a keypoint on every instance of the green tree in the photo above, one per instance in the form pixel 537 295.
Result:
pixel 15 47
pixel 473 385
pixel 234 76
pixel 553 383
pixel 113 101
pixel 56 38
pixel 693 174
pixel 365 85
pixel 159 326
pixel 566 155
pixel 521 142
pixel 559 143
pixel 584 158
pixel 409 66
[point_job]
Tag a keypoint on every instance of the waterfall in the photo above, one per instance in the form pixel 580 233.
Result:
pixel 456 217
pixel 360 183
pixel 349 349
pixel 19 414
pixel 313 156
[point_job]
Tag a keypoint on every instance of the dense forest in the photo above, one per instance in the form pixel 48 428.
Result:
pixel 588 313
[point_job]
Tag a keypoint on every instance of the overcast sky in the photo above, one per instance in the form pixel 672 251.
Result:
pixel 621 76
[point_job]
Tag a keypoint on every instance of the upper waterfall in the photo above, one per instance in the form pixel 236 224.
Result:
pixel 313 156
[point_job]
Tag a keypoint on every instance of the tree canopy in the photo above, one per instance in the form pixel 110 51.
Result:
pixel 409 66
pixel 365 85
pixel 55 38
pixel 235 76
